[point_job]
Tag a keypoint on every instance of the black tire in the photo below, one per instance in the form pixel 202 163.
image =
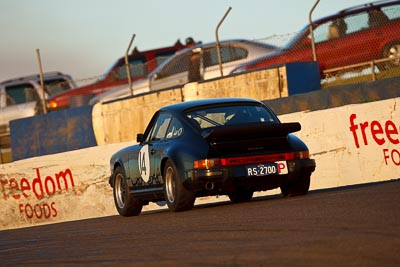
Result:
pixel 178 198
pixel 298 187
pixel 391 50
pixel 126 204
pixel 241 196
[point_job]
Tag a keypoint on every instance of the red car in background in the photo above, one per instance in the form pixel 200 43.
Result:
pixel 359 34
pixel 141 64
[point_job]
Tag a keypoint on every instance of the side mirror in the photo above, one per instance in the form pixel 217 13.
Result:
pixel 139 138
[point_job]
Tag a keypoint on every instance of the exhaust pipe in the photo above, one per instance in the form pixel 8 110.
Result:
pixel 209 185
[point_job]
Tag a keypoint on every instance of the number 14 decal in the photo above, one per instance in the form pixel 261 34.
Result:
pixel 144 163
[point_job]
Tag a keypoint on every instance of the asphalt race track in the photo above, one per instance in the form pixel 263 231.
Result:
pixel 348 226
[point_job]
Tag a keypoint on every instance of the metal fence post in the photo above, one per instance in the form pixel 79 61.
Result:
pixel 312 30
pixel 217 41
pixel 44 106
pixel 127 66
pixel 373 70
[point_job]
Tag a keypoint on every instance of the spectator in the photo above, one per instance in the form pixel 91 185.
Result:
pixel 337 29
pixel 190 42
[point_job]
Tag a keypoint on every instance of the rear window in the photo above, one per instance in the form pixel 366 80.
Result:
pixel 392 12
pixel 137 66
pixel 55 86
pixel 176 65
pixel 230 115
pixel 228 54
pixel 161 57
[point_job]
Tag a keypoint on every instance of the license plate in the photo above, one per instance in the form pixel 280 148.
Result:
pixel 271 168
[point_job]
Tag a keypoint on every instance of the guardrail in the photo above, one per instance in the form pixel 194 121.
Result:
pixel 372 64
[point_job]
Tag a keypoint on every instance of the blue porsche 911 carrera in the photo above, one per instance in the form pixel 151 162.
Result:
pixel 224 146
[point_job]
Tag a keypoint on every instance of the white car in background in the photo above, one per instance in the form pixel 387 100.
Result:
pixel 194 64
pixel 22 97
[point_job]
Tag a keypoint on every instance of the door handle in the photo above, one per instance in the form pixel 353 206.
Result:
pixel 152 151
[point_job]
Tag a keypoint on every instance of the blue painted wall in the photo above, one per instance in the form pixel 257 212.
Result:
pixel 302 77
pixel 51 133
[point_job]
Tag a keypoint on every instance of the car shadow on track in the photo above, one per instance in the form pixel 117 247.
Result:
pixel 224 202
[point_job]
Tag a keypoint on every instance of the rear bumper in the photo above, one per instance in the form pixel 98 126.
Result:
pixel 228 179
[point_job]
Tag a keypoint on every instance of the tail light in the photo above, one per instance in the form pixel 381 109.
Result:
pixel 254 159
pixel 207 163
pixel 302 155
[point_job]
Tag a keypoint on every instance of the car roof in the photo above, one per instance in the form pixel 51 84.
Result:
pixel 211 44
pixel 182 106
pixel 36 77
pixel 226 42
pixel 357 9
pixel 360 7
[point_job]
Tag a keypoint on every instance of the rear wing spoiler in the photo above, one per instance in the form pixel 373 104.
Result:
pixel 253 130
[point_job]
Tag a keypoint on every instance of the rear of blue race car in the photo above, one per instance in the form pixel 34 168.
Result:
pixel 252 157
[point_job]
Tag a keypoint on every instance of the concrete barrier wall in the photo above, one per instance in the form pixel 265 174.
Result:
pixel 56 188
pixel 120 121
pixel 351 144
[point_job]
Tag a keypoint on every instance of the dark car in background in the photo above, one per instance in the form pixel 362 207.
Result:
pixel 141 63
pixel 228 146
pixel 358 34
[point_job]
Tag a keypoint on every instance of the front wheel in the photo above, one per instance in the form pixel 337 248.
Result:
pixel 297 187
pixel 178 198
pixel 126 204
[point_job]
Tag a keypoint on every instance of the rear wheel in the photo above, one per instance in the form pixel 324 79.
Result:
pixel 241 196
pixel 178 198
pixel 126 204
pixel 297 187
